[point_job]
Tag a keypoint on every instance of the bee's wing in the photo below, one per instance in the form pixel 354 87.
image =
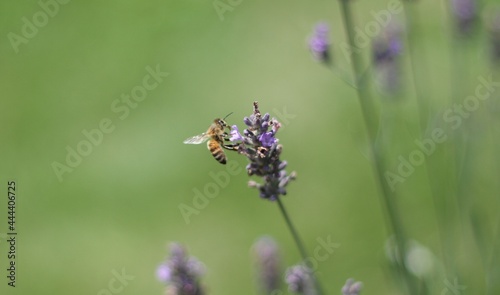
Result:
pixel 197 139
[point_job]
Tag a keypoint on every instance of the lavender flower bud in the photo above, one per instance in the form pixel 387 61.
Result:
pixel 247 121
pixel 299 280
pixel 181 273
pixel 351 287
pixel 279 149
pixel 268 264
pixel 319 43
pixel 465 15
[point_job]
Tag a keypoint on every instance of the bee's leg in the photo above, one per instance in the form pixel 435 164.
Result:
pixel 230 146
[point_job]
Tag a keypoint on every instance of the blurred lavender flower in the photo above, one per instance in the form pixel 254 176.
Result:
pixel 319 43
pixel 465 14
pixel 387 50
pixel 299 280
pixel 260 145
pixel 268 264
pixel 351 287
pixel 181 273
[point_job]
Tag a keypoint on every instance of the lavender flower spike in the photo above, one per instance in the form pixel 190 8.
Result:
pixel 268 264
pixel 181 273
pixel 260 145
pixel 299 280
pixel 319 43
pixel 351 287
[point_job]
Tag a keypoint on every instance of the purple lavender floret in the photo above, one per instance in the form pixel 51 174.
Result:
pixel 319 43
pixel 181 272
pixel 260 145
pixel 235 134
pixel 465 14
pixel 351 287
pixel 267 139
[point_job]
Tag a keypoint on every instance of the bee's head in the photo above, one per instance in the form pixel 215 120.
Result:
pixel 220 122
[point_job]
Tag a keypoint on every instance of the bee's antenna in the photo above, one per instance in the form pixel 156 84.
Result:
pixel 227 116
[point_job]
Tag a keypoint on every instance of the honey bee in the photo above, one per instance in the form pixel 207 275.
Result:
pixel 216 135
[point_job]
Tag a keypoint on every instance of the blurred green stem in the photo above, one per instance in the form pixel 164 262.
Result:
pixel 343 75
pixel 441 194
pixel 299 243
pixel 466 143
pixel 370 121
pixel 493 275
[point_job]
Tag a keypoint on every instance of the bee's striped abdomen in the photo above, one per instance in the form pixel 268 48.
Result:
pixel 216 151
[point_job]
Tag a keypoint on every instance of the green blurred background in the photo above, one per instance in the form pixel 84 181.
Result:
pixel 119 208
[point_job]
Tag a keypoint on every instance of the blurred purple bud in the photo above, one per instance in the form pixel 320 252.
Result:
pixel 299 280
pixel 351 287
pixel 319 43
pixel 387 49
pixel 268 264
pixel 465 14
pixel 163 273
pixel 181 273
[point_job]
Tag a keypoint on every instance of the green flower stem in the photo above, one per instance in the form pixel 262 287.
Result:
pixel 298 242
pixel 370 121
